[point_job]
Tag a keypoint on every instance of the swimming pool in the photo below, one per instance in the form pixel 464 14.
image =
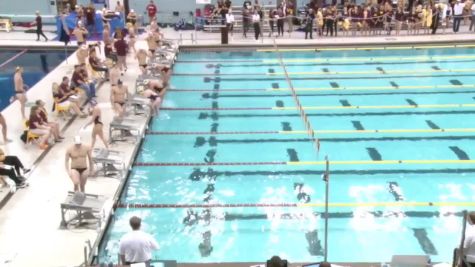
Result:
pixel 230 147
pixel 36 64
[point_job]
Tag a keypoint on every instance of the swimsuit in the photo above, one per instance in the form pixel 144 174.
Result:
pixel 120 103
pixel 153 97
pixel 80 170
pixel 97 120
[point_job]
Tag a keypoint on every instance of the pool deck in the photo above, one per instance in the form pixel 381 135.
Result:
pixel 29 218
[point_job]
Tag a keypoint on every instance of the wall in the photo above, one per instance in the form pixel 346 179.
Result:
pixel 27 7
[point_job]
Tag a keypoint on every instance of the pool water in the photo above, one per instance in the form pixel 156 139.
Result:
pixel 397 126
pixel 36 64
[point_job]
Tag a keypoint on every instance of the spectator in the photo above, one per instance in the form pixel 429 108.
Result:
pixel 97 130
pixel 15 162
pixel 309 24
pixel 256 23
pixel 20 89
pixel 280 22
pixel 62 99
pixel 64 34
pixel 91 19
pixel 54 126
pixel 473 17
pixel 37 127
pixel 136 246
pixel 78 80
pixel 96 63
pixel 458 10
pixel 39 27
pixel 230 21
pixel 8 171
pixel 151 10
pixel 76 161
pixel 121 48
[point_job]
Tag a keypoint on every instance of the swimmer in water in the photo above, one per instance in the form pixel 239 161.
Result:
pixel 302 196
pixel 191 218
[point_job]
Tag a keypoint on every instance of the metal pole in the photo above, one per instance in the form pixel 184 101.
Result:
pixel 459 260
pixel 326 178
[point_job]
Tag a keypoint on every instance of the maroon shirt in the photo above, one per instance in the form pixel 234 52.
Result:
pixel 35 119
pixel 121 47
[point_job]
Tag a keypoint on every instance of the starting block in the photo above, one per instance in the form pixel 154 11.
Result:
pixel 110 161
pixel 126 127
pixel 88 207
pixel 139 103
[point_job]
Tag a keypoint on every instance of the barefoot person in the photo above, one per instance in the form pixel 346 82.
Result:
pixel 98 129
pixel 4 129
pixel 142 59
pixel 119 95
pixel 20 93
pixel 76 162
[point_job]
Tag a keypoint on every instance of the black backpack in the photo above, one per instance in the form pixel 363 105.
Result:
pixel 23 136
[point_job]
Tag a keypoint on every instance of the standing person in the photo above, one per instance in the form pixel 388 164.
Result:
pixel 289 13
pixel 132 37
pixel 329 19
pixel 230 21
pixel 151 10
pixel 136 246
pixel 39 27
pixel 458 10
pixel 121 48
pixel 142 59
pixel 436 13
pixel 20 93
pixel 256 19
pixel 132 18
pixel 272 19
pixel 246 17
pixel 80 33
pixel 400 18
pixel 119 94
pixel 4 129
pixel 320 22
pixel 280 22
pixel 119 8
pixel 309 23
pixel 76 162
pixel 91 19
pixel 473 17
pixel 98 129
pixel 64 34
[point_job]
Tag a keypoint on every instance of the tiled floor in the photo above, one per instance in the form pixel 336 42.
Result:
pixel 29 222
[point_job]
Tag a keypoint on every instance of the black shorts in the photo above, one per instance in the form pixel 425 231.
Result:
pixel 80 170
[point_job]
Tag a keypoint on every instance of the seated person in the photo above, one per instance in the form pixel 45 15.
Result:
pixel 96 63
pixel 44 116
pixel 119 95
pixel 78 80
pixel 62 99
pixel 37 127
pixel 9 171
pixel 13 161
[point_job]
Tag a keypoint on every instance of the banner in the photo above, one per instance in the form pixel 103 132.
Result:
pixel 203 1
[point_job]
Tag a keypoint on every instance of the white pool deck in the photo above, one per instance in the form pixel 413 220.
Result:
pixel 29 221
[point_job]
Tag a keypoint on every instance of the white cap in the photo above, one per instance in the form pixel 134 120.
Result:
pixel 77 140
pixel 132 10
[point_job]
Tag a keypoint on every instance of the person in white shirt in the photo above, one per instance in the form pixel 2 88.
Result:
pixel 256 19
pixel 458 10
pixel 230 21
pixel 469 242
pixel 137 246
